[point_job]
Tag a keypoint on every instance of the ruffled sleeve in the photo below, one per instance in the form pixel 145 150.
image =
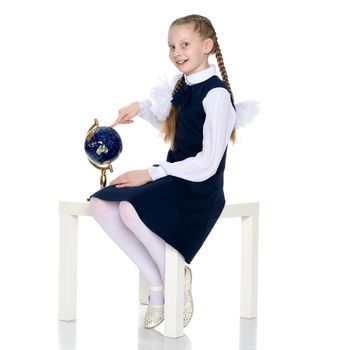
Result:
pixel 161 95
pixel 246 111
pixel 156 109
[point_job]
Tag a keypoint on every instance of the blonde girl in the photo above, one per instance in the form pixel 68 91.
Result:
pixel 177 200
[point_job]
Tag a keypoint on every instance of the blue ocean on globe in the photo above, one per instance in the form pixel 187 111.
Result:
pixel 103 146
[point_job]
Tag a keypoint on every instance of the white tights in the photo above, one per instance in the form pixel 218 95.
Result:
pixel 146 249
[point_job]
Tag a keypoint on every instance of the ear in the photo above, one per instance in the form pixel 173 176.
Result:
pixel 208 45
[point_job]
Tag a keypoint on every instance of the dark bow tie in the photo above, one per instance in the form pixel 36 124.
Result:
pixel 183 96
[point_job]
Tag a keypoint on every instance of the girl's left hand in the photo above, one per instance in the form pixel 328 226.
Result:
pixel 132 178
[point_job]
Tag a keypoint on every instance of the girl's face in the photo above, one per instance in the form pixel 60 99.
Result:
pixel 187 50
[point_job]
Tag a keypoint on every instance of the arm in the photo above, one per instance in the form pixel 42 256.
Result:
pixel 147 114
pixel 217 129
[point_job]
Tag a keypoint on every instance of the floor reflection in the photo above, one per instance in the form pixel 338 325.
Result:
pixel 247 333
pixel 67 335
pixel 152 339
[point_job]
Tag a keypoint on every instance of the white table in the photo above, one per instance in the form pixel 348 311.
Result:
pixel 174 269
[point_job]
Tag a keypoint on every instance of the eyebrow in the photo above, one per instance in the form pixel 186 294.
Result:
pixel 180 41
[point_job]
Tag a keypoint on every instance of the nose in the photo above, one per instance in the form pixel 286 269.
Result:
pixel 177 52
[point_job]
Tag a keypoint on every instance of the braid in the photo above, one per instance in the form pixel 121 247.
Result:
pixel 178 85
pixel 223 72
pixel 222 68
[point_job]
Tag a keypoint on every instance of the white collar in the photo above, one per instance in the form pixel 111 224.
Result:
pixel 203 75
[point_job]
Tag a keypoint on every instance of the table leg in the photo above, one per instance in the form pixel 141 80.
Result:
pixel 68 267
pixel 174 293
pixel 249 266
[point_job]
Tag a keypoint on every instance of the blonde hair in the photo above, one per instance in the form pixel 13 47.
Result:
pixel 203 26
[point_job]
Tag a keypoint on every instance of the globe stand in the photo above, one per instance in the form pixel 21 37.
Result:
pixel 103 177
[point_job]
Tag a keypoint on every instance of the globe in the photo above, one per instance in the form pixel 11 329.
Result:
pixel 103 145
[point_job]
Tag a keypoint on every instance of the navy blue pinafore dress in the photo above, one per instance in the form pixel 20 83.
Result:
pixel 179 211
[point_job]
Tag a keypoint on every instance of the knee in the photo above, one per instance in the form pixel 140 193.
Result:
pixel 94 203
pixel 127 211
pixel 96 207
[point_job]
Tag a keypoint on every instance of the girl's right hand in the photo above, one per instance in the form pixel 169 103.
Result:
pixel 126 114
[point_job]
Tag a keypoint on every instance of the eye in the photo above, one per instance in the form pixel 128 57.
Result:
pixel 172 47
pixel 185 44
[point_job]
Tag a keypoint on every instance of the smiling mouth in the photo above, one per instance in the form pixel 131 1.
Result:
pixel 181 62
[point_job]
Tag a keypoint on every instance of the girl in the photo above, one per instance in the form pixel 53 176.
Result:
pixel 179 200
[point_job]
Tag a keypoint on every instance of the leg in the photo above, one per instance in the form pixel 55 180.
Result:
pixel 143 289
pixel 106 213
pixel 68 267
pixel 154 244
pixel 249 266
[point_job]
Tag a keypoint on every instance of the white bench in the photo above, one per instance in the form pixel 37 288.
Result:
pixel 174 266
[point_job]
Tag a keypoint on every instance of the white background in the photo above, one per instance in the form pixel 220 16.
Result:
pixel 64 63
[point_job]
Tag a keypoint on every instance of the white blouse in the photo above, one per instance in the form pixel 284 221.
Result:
pixel 218 125
pixel 217 128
